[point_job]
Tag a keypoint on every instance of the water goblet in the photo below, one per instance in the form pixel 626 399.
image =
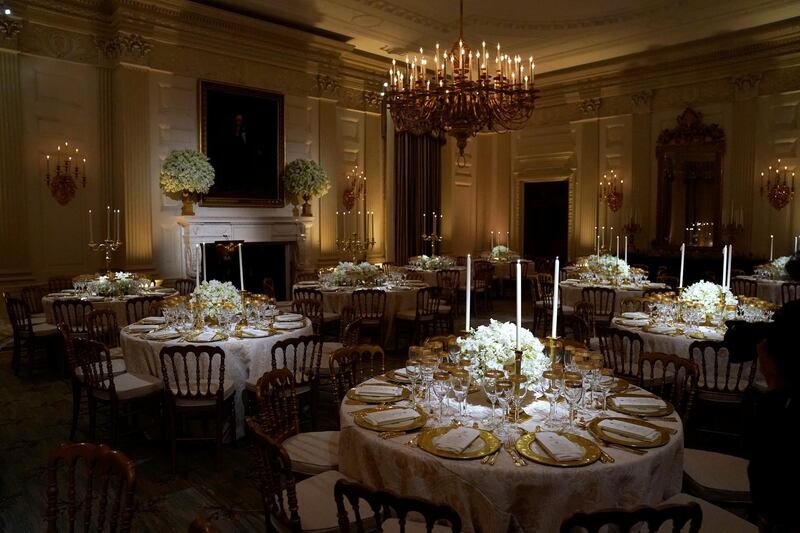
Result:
pixel 489 382
pixel 504 392
pixel 551 392
pixel 605 382
pixel 453 349
pixel 518 393
pixel 414 373
pixel 427 368
pixel 459 381
pixel 573 392
pixel 435 347
pixel 441 388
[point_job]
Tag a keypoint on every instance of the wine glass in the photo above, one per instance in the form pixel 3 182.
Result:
pixel 518 393
pixel 573 392
pixel 489 382
pixel 440 388
pixel 552 393
pixel 414 373
pixel 427 367
pixel 605 381
pixel 459 381
pixel 453 349
pixel 504 391
pixel 584 368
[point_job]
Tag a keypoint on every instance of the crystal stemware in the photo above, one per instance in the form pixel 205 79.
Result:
pixel 440 388
pixel 573 392
pixel 489 382
pixel 414 373
pixel 459 381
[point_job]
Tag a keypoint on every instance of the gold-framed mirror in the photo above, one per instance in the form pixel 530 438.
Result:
pixel 689 202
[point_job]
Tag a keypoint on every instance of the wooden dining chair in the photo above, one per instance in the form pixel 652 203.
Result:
pixel 121 393
pixel 671 377
pixel 311 293
pixel 73 313
pixel 448 281
pixel 621 350
pixel 59 283
pixel 185 287
pixel 390 512
pixel 603 301
pixel 32 342
pixel 306 275
pixel 369 306
pixel 32 296
pixel 789 292
pixel 482 284
pixel 102 326
pixel 575 327
pixel 670 281
pixel 139 307
pixel 744 287
pixel 290 505
pixel 311 309
pixel 195 388
pixel 631 305
pixel 352 365
pixel 311 452
pixel 89 487
pixel 461 260
pixel 542 295
pixel 268 287
pixel 681 516
pixel 420 321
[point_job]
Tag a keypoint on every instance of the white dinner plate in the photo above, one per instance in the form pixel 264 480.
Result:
pixel 288 326
pixel 289 317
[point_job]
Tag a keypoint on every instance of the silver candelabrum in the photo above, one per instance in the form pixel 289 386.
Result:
pixel 107 247
pixel 354 247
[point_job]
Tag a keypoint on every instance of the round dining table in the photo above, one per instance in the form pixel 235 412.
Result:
pixel 243 358
pixel 429 276
pixel 504 497
pixel 769 290
pixel 116 304
pixel 571 292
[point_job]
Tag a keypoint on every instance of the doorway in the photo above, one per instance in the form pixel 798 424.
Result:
pixel 546 220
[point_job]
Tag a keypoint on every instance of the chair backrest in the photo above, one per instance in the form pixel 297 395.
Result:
pixel 276 480
pixel 448 282
pixel 387 266
pixel 671 377
pixel 307 293
pixel 156 308
pixel 67 347
pixel 660 290
pixel 669 281
pixel 102 326
pixel 95 362
pixel 185 287
pixel 139 307
pixel 602 300
pixel 268 287
pixel 744 287
pixel 301 355
pixel 621 350
pixel 544 264
pixel 461 260
pixel 720 379
pixel 629 521
pixel 20 316
pixel 56 284
pixel 312 309
pixel 277 404
pixel 628 305
pixel 577 328
pixel 512 269
pixel 585 311
pixel 89 487
pixel 33 297
pixel 427 303
pixel 193 372
pixel 73 312
pixel 346 317
pixel 368 304
pixel 344 371
pixel 383 505
pixel 414 275
pixel 790 292
pixel 483 272
pixel 543 288
pixel 309 275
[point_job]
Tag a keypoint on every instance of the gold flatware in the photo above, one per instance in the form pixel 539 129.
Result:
pixel 591 452
pixel 494 458
pixel 489 459
pixel 391 434
pixel 637 451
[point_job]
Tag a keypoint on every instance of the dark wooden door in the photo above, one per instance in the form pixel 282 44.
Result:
pixel 546 219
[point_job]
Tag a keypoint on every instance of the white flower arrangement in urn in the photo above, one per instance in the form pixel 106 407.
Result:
pixel 715 300
pixel 774 269
pixel 216 297
pixel 607 268
pixel 347 274
pixel 306 178
pixel 435 262
pixel 186 174
pixel 500 253
pixel 117 284
pixel 493 346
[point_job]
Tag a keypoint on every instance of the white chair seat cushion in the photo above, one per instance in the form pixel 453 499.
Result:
pixel 444 309
pixel 116 352
pixel 716 470
pixel 228 389
pixel 317 506
pixel 44 330
pixel 252 381
pixel 414 524
pixel 314 452
pixel 408 314
pixel 117 368
pixel 715 519
pixel 130 386
pixel 38 318
pixel 330 317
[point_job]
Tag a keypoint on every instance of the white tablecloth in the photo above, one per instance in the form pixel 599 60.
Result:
pixel 430 276
pixel 572 293
pixel 504 497
pixel 767 289
pixel 117 305
pixel 243 358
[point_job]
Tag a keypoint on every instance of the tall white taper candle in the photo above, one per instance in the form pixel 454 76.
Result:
pixel 241 269
pixel 683 256
pixel 197 264
pixel 91 231
pixel 205 272
pixel 724 264
pixel 771 246
pixel 519 301
pixel 626 248
pixel 617 246
pixel 469 289
pixel 730 266
pixel 556 274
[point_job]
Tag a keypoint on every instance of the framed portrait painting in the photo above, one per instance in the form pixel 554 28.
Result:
pixel 241 132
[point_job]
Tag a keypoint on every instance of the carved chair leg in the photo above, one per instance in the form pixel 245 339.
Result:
pixel 77 392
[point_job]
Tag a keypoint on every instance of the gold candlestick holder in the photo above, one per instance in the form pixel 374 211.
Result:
pixel 553 345
pixel 354 247
pixel 107 247
pixel 434 239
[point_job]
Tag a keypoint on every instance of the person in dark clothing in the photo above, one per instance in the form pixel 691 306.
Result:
pixel 774 469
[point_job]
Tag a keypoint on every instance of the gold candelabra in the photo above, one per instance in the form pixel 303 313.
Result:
pixel 63 184
pixel 611 190
pixel 357 227
pixel 433 237
pixel 779 190
pixel 111 243
pixel 354 247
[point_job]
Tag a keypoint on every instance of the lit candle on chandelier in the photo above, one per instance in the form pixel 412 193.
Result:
pixel 108 222
pixel 91 232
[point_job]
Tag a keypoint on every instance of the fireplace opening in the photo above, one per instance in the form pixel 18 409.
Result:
pixel 260 260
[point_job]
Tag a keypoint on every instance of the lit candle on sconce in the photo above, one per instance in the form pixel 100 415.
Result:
pixel 91 231
pixel 108 222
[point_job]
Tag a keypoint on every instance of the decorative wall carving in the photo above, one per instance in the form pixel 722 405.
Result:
pixel 124 45
pixel 9 27
pixel 691 130
pixel 746 86
pixel 62 44
pixel 326 86
pixel 590 106
pixel 641 101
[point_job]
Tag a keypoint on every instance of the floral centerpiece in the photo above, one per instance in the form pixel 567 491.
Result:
pixel 435 262
pixel 607 268
pixel 186 173
pixel 492 347
pixel 710 296
pixel 500 253
pixel 306 178
pixel 116 284
pixel 774 269
pixel 349 274
pixel 215 295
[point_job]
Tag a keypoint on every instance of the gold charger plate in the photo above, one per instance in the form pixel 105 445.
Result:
pixel 169 337
pixel 361 419
pixel 666 410
pixel 591 452
pixel 485 444
pixel 405 395
pixel 620 385
pixel 219 336
pixel 628 441
pixel 392 376
pixel 239 334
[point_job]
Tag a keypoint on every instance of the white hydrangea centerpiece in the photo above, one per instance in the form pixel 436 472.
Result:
pixel 347 274
pixel 186 173
pixel 435 262
pixel 493 346
pixel 214 294
pixel 775 269
pixel 708 295
pixel 117 284
pixel 306 178
pixel 607 267
pixel 500 252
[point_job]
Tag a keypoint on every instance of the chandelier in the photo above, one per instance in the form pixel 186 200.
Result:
pixel 466 92
pixel 611 190
pixel 779 191
pixel 68 173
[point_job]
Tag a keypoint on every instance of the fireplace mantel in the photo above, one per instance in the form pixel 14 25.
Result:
pixel 202 228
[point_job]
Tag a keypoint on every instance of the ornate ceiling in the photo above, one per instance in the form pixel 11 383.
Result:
pixel 559 34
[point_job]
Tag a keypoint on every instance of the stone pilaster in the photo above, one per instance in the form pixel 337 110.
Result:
pixel 742 153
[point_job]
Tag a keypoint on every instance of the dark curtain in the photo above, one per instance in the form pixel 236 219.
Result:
pixel 418 190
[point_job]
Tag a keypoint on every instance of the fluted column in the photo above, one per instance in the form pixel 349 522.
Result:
pixel 105 130
pixel 14 257
pixel 132 181
pixel 642 181
pixel 742 153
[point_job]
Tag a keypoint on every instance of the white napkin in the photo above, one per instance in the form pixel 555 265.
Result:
pixel 288 325
pixel 457 440
pixel 205 336
pixel 559 447
pixel 662 328
pixel 391 416
pixel 253 332
pixel 711 333
pixel 142 327
pixel 162 333
pixel 289 317
pixel 634 322
pixel 626 429
pixel 378 391
pixel 635 315
pixel 402 372
pixel 153 320
pixel 639 403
